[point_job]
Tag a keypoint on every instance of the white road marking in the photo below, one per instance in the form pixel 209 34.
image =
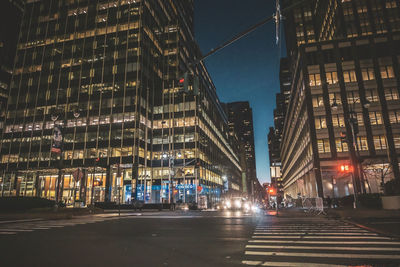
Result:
pixel 18 221
pixel 316 233
pixel 326 242
pixel 325 255
pixel 325 248
pixel 290 264
pixel 15 230
pixel 8 233
pixel 321 237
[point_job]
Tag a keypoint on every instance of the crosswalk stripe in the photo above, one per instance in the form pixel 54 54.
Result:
pixel 324 255
pixel 320 237
pixel 325 248
pixel 290 264
pixel 15 230
pixel 8 233
pixel 317 233
pixel 326 242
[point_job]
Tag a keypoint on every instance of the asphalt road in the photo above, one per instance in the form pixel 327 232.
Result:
pixel 193 239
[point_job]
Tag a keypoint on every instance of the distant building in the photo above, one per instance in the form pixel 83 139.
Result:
pixel 275 133
pixel 240 117
pixel 344 99
pixel 10 20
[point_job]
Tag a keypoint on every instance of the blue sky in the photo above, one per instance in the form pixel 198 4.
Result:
pixel 247 70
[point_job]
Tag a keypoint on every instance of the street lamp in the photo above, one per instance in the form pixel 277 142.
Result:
pixel 76 112
pixel 57 148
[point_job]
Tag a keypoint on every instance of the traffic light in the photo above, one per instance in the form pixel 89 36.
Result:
pixel 345 168
pixel 186 82
pixel 271 191
pixel 343 137
pixel 189 81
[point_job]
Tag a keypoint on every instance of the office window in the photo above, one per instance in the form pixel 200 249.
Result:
pixel 387 72
pixel 394 116
pixel 360 119
pixel 396 139
pixel 391 94
pixel 338 120
pixel 371 95
pixel 331 77
pixel 320 122
pixel 353 97
pixel 349 76
pixel 315 79
pixel 380 142
pixel 335 97
pixel 375 117
pixel 318 101
pixel 362 143
pixel 323 146
pixel 341 146
pixel 368 74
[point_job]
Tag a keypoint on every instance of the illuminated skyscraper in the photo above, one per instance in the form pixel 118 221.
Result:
pixel 108 74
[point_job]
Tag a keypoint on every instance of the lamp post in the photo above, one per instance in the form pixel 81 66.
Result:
pixel 57 148
pixel 76 112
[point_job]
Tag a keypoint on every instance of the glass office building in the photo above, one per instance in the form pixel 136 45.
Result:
pixel 108 75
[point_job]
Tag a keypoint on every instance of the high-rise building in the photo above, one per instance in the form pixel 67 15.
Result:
pixel 344 97
pixel 99 109
pixel 10 19
pixel 275 133
pixel 240 118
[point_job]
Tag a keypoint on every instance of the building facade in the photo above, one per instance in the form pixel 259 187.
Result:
pixel 275 133
pixel 344 97
pixel 106 76
pixel 240 118
pixel 10 17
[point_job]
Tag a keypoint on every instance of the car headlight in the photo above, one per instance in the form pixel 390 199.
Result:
pixel 255 208
pixel 228 204
pixel 246 206
pixel 238 204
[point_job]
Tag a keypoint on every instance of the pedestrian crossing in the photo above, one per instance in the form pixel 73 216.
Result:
pixel 24 226
pixel 318 242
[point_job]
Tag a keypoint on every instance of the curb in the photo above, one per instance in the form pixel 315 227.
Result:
pixel 371 229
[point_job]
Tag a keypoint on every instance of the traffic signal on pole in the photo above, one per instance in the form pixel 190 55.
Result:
pixel 343 137
pixel 271 191
pixel 186 82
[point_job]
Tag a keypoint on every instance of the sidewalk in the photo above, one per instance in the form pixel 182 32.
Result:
pixel 381 221
pixel 48 214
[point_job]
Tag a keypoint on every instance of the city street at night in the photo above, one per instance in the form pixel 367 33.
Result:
pixel 207 238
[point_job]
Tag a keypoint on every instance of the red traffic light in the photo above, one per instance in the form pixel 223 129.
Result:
pixel 182 80
pixel 98 159
pixel 271 191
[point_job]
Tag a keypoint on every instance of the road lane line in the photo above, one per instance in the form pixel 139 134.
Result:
pixel 325 242
pixel 325 255
pixel 325 248
pixel 290 264
pixel 322 237
pixel 316 233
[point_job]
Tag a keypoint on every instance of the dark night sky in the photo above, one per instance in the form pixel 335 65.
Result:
pixel 248 70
